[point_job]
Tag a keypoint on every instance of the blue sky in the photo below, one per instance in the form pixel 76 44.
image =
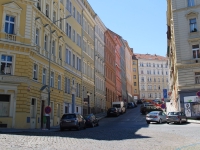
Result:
pixel 141 22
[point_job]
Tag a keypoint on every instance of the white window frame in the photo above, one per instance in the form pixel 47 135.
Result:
pixel 35 71
pixel 7 70
pixel 52 79
pixel 196 51
pixel 68 56
pixel 9 23
pixel 45 42
pixel 193 25
pixel 60 52
pixel 37 36
pixel 191 3
pixel 197 77
pixel 59 82
pixel 47 10
pixel 53 47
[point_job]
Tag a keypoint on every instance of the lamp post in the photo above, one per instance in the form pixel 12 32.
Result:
pixel 48 117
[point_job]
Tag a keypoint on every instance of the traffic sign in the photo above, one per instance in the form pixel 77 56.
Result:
pixel 198 93
pixel 47 110
pixel 164 93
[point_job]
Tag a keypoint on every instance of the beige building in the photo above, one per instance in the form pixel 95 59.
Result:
pixel 184 54
pixel 135 80
pixel 153 76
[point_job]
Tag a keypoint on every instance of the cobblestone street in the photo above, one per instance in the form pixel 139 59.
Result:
pixel 128 131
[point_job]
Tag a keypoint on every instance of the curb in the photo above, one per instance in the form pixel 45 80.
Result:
pixel 194 121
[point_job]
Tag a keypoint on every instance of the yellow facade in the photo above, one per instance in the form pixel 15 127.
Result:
pixel 20 87
pixel 135 85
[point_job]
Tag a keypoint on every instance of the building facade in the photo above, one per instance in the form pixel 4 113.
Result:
pixel 129 73
pixel 88 26
pixel 110 69
pixel 118 81
pixel 153 76
pixel 135 83
pixel 184 57
pixel 30 39
pixel 123 70
pixel 100 100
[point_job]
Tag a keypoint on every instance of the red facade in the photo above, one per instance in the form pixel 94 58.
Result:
pixel 110 69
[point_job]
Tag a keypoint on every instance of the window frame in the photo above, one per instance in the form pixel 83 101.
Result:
pixel 7 62
pixel 59 82
pixel 35 71
pixel 9 23
pixel 52 79
pixel 44 79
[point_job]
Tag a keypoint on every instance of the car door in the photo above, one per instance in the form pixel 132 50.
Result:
pixel 164 116
pixel 183 116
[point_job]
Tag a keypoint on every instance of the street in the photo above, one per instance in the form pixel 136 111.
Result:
pixel 128 132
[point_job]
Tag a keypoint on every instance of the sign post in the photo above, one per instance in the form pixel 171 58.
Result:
pixel 47 110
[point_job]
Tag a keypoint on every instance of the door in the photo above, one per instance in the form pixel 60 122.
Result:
pixel 164 116
pixel 42 114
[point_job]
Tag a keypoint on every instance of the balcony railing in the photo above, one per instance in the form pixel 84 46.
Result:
pixel 11 37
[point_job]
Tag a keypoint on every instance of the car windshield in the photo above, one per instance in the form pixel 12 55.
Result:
pixel 116 105
pixel 173 113
pixel 153 113
pixel 69 116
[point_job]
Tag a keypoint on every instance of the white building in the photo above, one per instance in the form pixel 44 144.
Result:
pixel 153 76
pixel 183 41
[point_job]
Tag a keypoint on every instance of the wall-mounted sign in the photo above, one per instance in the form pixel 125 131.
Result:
pixel 191 99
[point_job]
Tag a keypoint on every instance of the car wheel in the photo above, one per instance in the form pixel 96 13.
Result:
pixel 79 127
pixel 167 122
pixel 160 121
pixel 148 122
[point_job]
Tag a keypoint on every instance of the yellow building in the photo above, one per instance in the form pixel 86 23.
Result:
pixel 135 87
pixel 25 49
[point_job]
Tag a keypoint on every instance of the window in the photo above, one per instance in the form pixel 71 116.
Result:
pixel 35 71
pixel 59 82
pixel 68 57
pixel 33 108
pixel 44 71
pixel 37 36
pixel 153 65
pixel 78 63
pixel 45 42
pixel 60 53
pixel 134 69
pixel 4 105
pixel 134 63
pixel 166 73
pixel 47 10
pixel 159 87
pixel 135 84
pixel 6 64
pixel 134 77
pixel 154 79
pixel 142 72
pixel 9 24
pixel 193 25
pixel 61 23
pixel 52 79
pixel 73 61
pixel 155 95
pixel 197 77
pixel 135 91
pixel 74 36
pixel 154 87
pixel 195 49
pixel 69 34
pixel 190 3
pixel 53 48
pixel 74 12
pixel 54 17
pixel 68 86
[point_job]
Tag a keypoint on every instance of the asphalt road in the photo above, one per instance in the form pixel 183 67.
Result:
pixel 126 132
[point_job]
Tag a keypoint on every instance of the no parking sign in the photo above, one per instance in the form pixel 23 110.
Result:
pixel 47 110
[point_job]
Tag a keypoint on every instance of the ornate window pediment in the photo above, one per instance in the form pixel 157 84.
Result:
pixel 12 6
pixel 192 14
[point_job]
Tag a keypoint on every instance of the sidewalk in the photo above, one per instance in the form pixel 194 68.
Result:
pixel 52 129
pixel 193 121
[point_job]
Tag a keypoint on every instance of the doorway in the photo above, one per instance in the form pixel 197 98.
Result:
pixel 42 114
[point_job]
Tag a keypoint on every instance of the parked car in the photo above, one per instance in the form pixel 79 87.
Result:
pixel 176 117
pixel 113 112
pixel 148 107
pixel 91 120
pixel 139 101
pixel 130 105
pixel 120 106
pixel 156 116
pixel 72 121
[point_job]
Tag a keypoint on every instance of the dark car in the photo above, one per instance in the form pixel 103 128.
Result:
pixel 176 117
pixel 72 121
pixel 113 112
pixel 130 105
pixel 91 120
pixel 147 107
pixel 139 101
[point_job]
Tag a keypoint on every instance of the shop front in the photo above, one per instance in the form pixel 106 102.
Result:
pixel 192 106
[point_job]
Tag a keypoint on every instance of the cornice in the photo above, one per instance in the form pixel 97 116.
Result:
pixel 183 66
pixel 186 8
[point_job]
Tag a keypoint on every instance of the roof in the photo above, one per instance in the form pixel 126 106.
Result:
pixel 149 56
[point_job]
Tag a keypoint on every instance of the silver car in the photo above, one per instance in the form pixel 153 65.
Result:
pixel 176 117
pixel 156 116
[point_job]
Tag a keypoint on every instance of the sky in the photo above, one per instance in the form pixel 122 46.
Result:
pixel 142 23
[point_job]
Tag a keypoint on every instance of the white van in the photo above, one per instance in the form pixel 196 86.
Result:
pixel 120 106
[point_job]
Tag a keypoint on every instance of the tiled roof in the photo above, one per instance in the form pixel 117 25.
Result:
pixel 149 56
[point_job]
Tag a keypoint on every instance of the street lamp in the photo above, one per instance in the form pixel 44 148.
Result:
pixel 51 32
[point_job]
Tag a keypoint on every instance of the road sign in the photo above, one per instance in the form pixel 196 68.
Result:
pixel 198 93
pixel 47 110
pixel 164 93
